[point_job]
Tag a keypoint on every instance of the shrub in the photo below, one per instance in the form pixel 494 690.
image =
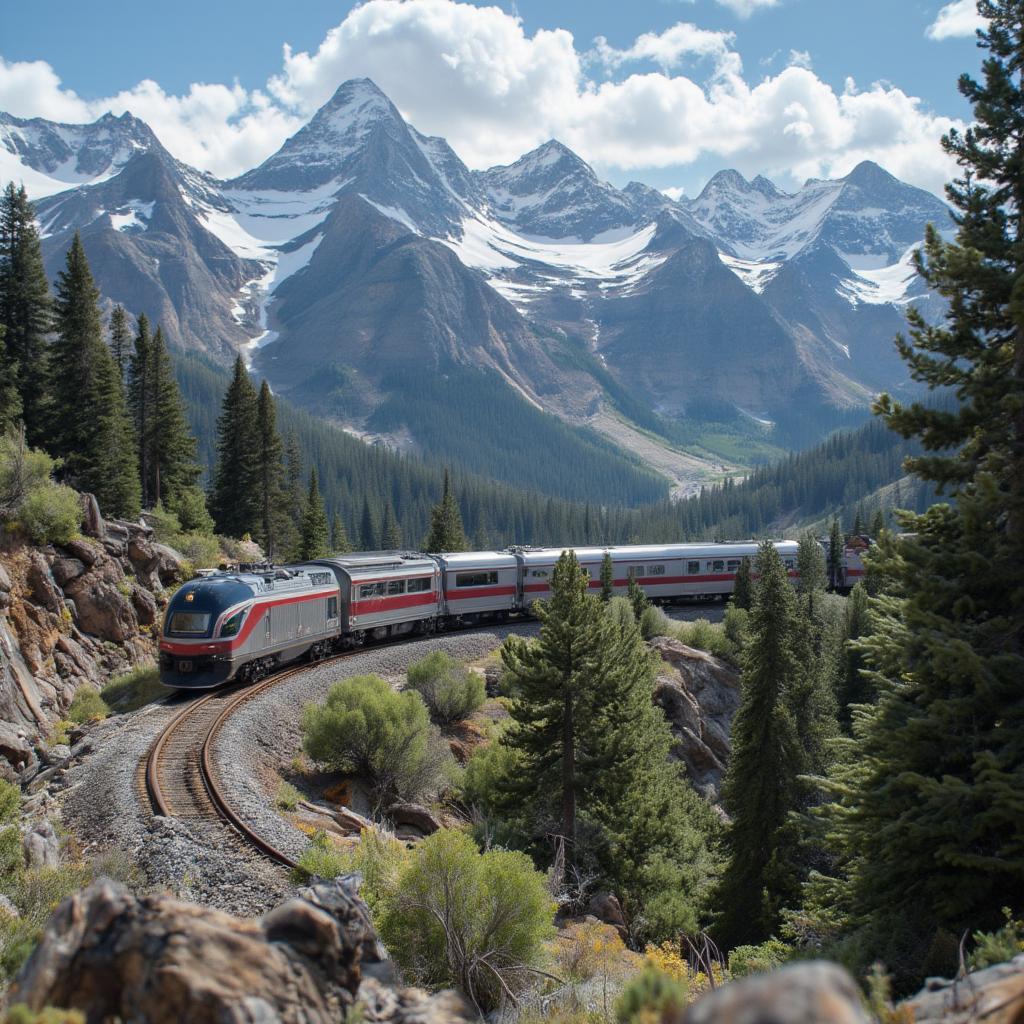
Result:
pixel 133 689
pixel 654 622
pixel 766 956
pixel 590 949
pixel 996 947
pixel 468 920
pixel 51 514
pixel 22 470
pixel 199 549
pixel 620 611
pixel 735 626
pixel 10 802
pixel 166 525
pixel 19 1013
pixel 321 859
pixel 287 797
pixel 88 706
pixel 705 637
pixel 365 728
pixel 189 505
pixel 651 996
pixel 451 691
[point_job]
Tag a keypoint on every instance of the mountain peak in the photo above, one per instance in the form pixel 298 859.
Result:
pixel 727 179
pixel 868 174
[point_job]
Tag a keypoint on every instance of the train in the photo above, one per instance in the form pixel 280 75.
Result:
pixel 242 623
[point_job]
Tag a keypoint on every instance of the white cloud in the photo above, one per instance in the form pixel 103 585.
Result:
pixel 668 48
pixel 745 8
pixel 800 59
pixel 956 20
pixel 474 76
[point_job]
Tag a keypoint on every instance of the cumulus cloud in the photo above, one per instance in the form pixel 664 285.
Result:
pixel 473 75
pixel 800 59
pixel 959 19
pixel 745 8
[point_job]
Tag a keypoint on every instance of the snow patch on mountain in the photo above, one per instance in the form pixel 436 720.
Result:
pixel 395 213
pixel 881 285
pixel 133 216
pixel 755 275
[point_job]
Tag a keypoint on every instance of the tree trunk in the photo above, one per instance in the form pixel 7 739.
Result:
pixel 569 782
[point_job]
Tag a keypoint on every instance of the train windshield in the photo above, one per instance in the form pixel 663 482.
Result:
pixel 189 623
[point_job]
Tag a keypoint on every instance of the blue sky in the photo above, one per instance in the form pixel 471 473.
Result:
pixel 762 85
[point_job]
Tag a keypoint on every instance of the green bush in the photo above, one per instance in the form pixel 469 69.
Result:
pixel 87 706
pixel 450 690
pixel 166 524
pixel 321 859
pixel 189 506
pixel 654 622
pixel 19 1013
pixel 51 514
pixel 620 611
pixel 459 918
pixel 735 626
pixel 386 738
pixel 287 797
pixel 133 689
pixel 766 956
pixel 651 996
pixel 201 550
pixel 999 946
pixel 704 636
pixel 10 802
pixel 22 471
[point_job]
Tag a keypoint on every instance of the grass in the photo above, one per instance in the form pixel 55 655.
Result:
pixel 321 860
pixel 88 706
pixel 288 797
pixel 133 690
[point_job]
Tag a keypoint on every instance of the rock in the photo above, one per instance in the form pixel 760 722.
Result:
pixel 83 551
pixel 55 755
pixel 14 747
pixel 492 679
pixel 100 606
pixel 350 821
pixel 41 846
pixel 44 590
pixel 169 566
pixel 816 991
pixel 155 959
pixel 66 569
pixel 7 908
pixel 994 995
pixel 92 521
pixel 414 815
pixel 141 555
pixel 606 907
pixel 5 580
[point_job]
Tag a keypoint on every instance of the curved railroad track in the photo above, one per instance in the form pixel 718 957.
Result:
pixel 181 780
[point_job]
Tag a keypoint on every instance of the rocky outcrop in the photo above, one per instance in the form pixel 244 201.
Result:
pixel 72 615
pixel 815 991
pixel 112 955
pixel 699 695
pixel 994 995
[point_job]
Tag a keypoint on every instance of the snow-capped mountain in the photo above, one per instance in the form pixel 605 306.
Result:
pixel 363 250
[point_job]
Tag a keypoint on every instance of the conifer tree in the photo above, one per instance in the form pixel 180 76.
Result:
pixel 446 532
pixel 760 787
pixel 339 538
pixel 234 500
pixel 10 400
pixel 391 530
pixel 927 818
pixel 140 392
pixel 637 598
pixel 294 497
pixel 877 523
pixel 835 554
pixel 858 521
pixel 172 467
pixel 743 588
pixel 813 573
pixel 368 528
pixel 270 469
pixel 853 687
pixel 25 311
pixel 607 577
pixel 314 522
pixel 120 340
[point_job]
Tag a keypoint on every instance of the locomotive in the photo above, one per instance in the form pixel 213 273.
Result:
pixel 241 624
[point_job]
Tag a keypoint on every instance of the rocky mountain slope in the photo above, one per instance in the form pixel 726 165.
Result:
pixel 73 615
pixel 363 246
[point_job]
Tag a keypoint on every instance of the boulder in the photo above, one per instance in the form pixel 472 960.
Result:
pixel 801 993
pixel 5 580
pixel 415 816
pixel 92 521
pixel 145 606
pixel 85 552
pixel 42 846
pixel 155 959
pixel 169 566
pixel 14 747
pixel 994 995
pixel 41 584
pixel 66 569
pixel 101 608
pixel 605 907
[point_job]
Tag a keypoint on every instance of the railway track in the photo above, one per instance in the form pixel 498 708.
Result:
pixel 181 779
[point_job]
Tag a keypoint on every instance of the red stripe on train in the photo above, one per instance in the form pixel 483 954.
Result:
pixel 466 593
pixel 387 604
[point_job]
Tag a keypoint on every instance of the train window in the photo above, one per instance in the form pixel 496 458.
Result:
pixel 417 586
pixel 635 571
pixel 693 568
pixel 655 570
pixel 372 590
pixel 232 624
pixel 540 573
pixel 790 563
pixel 332 607
pixel 475 579
pixel 718 565
pixel 732 564
pixel 190 623
pixel 396 587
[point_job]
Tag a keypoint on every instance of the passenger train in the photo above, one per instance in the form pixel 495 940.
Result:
pixel 241 624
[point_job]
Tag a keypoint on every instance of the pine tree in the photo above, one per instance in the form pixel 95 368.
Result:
pixel 120 340
pixel 339 538
pixel 858 522
pixel 140 393
pixel 391 530
pixel 607 577
pixel 10 400
pixel 25 311
pixel 760 787
pixel 75 357
pixel 446 532
pixel 234 500
pixel 853 687
pixel 172 467
pixel 637 598
pixel 294 497
pixel 927 819
pixel 270 469
pixel 743 587
pixel 314 522
pixel 368 528
pixel 877 523
pixel 835 555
